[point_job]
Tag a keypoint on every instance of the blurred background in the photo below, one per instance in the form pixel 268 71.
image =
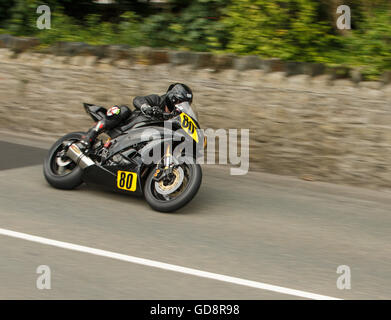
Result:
pixel 315 97
pixel 317 102
pixel 298 30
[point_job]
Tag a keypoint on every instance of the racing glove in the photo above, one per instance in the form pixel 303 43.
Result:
pixel 151 111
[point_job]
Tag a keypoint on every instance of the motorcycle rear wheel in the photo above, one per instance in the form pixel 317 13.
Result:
pixel 70 176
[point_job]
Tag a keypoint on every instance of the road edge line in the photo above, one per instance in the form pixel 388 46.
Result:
pixel 164 266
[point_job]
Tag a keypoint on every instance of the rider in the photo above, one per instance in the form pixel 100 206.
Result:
pixel 153 106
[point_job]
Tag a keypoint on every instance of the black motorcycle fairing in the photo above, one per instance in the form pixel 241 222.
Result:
pixel 97 174
pixel 107 176
pixel 136 118
pixel 129 139
pixel 146 135
pixel 97 113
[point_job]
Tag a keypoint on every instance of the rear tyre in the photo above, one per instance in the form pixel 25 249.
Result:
pixel 59 171
pixel 180 198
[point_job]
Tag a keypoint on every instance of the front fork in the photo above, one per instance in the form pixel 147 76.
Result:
pixel 165 166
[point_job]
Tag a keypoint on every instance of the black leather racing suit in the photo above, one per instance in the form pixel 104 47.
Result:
pixel 114 117
pixel 152 105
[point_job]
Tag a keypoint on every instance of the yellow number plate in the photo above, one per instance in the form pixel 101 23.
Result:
pixel 127 180
pixel 189 126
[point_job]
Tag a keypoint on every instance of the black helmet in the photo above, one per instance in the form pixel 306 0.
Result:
pixel 177 93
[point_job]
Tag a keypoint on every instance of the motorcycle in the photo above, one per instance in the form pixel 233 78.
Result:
pixel 153 157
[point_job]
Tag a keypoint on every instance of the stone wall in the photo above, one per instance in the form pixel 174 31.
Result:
pixel 314 123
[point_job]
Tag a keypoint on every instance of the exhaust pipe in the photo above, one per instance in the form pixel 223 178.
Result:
pixel 75 154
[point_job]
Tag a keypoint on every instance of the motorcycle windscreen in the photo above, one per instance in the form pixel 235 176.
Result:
pixel 185 107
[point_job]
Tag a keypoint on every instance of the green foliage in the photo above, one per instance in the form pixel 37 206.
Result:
pixel 93 32
pixel 369 47
pixel 156 29
pixel 288 29
pixel 299 30
pixel 197 27
pixel 23 17
pixel 189 25
pixel 129 31
pixel 5 11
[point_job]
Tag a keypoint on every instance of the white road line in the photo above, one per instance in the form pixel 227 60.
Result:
pixel 164 266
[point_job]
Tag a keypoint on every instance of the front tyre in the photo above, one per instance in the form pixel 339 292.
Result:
pixel 60 171
pixel 160 198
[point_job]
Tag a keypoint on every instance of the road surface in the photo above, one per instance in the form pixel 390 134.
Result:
pixel 268 229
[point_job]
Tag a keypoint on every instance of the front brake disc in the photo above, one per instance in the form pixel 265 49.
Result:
pixel 163 189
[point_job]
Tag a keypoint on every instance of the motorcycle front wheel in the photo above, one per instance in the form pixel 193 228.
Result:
pixel 168 197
